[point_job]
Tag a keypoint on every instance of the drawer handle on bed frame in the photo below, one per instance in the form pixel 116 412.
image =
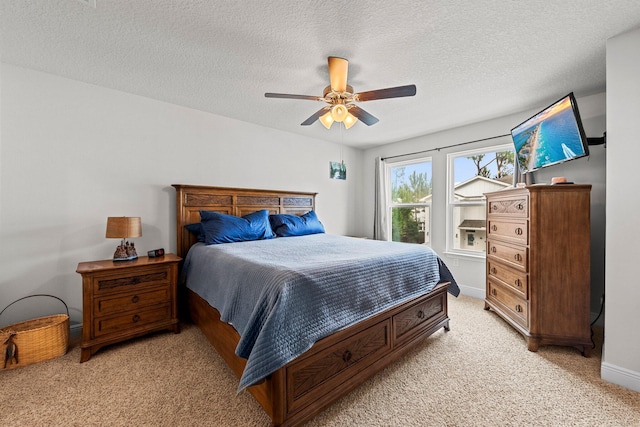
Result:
pixel 135 299
pixel 346 356
pixel 135 318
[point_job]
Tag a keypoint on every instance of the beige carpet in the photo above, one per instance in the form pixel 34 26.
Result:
pixel 478 374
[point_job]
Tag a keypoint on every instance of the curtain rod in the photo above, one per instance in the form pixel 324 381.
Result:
pixel 447 146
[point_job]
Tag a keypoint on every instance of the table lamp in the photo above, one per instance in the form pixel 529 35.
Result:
pixel 123 227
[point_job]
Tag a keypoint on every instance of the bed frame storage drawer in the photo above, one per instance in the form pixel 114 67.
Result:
pixel 316 375
pixel 418 317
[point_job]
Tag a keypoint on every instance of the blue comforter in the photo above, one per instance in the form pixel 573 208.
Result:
pixel 284 294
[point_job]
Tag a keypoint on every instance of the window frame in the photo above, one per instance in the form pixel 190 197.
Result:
pixel 389 202
pixel 452 204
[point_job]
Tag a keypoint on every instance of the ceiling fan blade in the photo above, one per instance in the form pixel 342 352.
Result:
pixel 290 96
pixel 315 116
pixel 363 116
pixel 338 70
pixel 392 92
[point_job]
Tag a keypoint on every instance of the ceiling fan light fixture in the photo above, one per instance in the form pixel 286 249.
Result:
pixel 326 120
pixel 339 112
pixel 350 120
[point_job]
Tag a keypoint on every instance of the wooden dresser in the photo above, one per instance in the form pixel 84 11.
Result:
pixel 126 299
pixel 538 263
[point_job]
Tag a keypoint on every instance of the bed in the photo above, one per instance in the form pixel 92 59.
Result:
pixel 307 380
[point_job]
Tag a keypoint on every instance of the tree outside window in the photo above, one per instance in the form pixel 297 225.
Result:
pixel 410 204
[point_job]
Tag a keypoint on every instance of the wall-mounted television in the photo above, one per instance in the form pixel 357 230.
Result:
pixel 552 136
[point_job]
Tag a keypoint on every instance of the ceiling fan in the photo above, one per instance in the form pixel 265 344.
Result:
pixel 341 97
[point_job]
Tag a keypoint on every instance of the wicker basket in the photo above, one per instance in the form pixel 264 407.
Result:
pixel 34 340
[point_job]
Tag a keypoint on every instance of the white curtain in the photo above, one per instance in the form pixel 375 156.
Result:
pixel 380 220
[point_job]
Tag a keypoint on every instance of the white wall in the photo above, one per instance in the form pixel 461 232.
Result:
pixel 621 354
pixel 72 154
pixel 470 271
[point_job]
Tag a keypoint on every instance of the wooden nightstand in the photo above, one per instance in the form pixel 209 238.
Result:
pixel 126 299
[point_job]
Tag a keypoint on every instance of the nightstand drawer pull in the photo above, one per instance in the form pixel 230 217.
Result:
pixel 494 270
pixel 517 257
pixel 494 292
pixel 519 206
pixel 519 308
pixel 518 283
pixel 519 231
pixel 494 228
pixel 420 314
pixel 135 299
pixel 346 356
pixel 135 318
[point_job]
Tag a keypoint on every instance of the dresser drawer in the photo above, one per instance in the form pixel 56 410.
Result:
pixel 514 255
pixel 514 231
pixel 516 306
pixel 416 318
pixel 517 207
pixel 124 281
pixel 132 301
pixel 130 321
pixel 314 376
pixel 517 280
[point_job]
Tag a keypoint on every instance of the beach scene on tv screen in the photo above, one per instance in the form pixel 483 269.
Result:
pixel 552 136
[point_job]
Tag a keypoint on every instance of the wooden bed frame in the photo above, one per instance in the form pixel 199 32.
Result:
pixel 335 365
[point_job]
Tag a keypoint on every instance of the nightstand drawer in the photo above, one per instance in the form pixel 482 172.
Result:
pixel 132 320
pixel 134 301
pixel 120 282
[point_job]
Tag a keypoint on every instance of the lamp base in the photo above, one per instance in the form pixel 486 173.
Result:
pixel 125 252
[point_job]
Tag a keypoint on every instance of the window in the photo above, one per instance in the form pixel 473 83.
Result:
pixel 410 204
pixel 471 174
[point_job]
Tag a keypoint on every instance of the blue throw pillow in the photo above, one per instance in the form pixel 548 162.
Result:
pixel 222 228
pixel 196 230
pixel 285 225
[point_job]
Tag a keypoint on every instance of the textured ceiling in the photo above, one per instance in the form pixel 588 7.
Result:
pixel 470 60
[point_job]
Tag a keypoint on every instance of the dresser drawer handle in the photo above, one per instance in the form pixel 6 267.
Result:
pixel 135 318
pixel 518 283
pixel 517 257
pixel 519 231
pixel 494 270
pixel 135 299
pixel 494 228
pixel 519 308
pixel 346 356
pixel 420 314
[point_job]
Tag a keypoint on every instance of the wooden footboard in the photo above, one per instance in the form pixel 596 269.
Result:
pixel 335 365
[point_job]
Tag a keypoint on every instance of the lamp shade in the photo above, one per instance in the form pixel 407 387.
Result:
pixel 121 227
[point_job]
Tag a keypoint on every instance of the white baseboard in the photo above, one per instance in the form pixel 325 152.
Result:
pixel 620 376
pixel 471 291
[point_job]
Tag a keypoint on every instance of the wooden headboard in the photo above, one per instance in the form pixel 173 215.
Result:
pixel 190 199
